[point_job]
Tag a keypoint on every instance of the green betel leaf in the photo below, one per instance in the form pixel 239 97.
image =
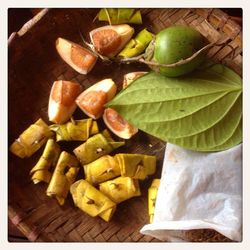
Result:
pixel 200 111
pixel 212 139
pixel 235 139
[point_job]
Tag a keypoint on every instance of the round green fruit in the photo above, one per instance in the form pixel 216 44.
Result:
pixel 178 43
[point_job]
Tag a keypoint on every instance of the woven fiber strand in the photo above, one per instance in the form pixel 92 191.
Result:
pixel 34 65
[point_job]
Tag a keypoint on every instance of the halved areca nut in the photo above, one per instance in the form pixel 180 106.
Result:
pixel 130 77
pixel 109 40
pixel 31 139
pixel 102 169
pixel 114 121
pixel 91 200
pixel 120 189
pixel 62 100
pixel 41 172
pixel 137 166
pixel 92 100
pixel 63 176
pixel 80 59
pixel 152 195
pixel 118 125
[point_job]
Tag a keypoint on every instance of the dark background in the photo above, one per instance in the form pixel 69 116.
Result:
pixel 18 16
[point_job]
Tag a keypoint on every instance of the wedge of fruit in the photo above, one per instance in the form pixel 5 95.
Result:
pixel 113 120
pixel 92 100
pixel 110 40
pixel 80 59
pixel 62 100
pixel 130 77
pixel 118 125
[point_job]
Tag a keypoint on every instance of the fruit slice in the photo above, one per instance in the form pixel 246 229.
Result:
pixel 92 100
pixel 80 59
pixel 130 77
pixel 109 40
pixel 62 100
pixel 118 125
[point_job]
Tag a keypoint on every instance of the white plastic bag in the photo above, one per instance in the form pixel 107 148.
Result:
pixel 198 191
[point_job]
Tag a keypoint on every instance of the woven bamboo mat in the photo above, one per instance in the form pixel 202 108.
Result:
pixel 34 65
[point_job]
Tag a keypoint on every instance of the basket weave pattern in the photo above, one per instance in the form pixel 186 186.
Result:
pixel 34 65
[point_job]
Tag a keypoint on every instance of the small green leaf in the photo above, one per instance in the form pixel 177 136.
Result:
pixel 200 111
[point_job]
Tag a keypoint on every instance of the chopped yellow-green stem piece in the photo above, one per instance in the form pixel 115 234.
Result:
pixel 120 15
pixel 41 171
pixel 91 200
pixel 152 194
pixel 31 139
pixel 137 45
pixel 121 189
pixel 64 175
pixel 95 147
pixel 76 130
pixel 102 169
pixel 136 166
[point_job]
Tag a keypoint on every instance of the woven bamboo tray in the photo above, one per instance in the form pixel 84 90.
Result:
pixel 33 66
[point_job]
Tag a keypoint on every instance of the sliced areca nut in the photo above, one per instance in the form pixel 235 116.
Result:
pixel 113 120
pixel 110 40
pixel 80 59
pixel 92 100
pixel 118 125
pixel 130 77
pixel 62 100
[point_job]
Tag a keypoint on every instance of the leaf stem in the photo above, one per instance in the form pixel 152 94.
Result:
pixel 107 13
pixel 141 59
pixel 179 63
